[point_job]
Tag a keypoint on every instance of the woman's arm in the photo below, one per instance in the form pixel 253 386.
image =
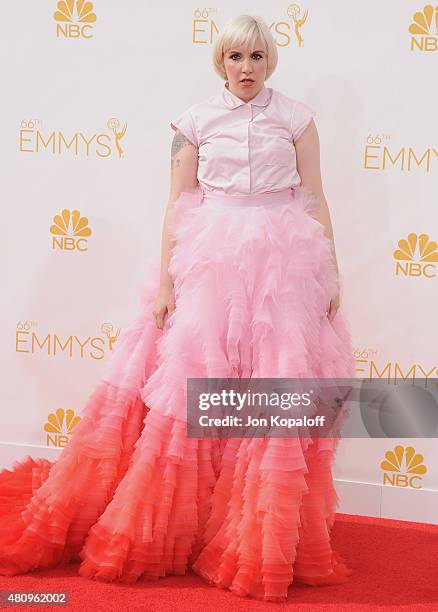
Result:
pixel 308 166
pixel 183 177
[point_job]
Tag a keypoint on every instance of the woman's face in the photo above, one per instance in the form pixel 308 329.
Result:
pixel 246 69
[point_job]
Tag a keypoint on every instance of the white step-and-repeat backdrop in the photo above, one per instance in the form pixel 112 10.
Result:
pixel 89 89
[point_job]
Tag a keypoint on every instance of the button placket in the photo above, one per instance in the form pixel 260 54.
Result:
pixel 248 143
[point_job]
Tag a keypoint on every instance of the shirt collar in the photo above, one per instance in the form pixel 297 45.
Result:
pixel 232 101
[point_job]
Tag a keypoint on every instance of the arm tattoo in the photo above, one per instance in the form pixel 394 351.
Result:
pixel 179 141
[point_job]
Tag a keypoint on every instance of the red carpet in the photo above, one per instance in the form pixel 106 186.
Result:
pixel 395 565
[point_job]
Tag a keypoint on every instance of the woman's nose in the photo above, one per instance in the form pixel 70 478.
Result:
pixel 247 65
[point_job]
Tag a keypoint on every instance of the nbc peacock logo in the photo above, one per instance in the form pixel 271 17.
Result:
pixel 70 231
pixel 74 19
pixel 416 255
pixel 403 467
pixel 59 427
pixel 424 29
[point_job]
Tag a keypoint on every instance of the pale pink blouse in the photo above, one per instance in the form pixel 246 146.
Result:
pixel 246 147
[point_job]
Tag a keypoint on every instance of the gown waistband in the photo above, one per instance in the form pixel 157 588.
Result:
pixel 270 198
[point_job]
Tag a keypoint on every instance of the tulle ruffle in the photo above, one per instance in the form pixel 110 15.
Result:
pixel 271 520
pixel 44 521
pixel 131 495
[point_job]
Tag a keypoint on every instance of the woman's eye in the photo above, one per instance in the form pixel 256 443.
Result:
pixel 256 55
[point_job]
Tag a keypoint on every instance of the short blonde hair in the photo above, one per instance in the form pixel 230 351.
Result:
pixel 244 30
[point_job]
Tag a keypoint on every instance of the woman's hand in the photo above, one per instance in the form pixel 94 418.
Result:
pixel 333 308
pixel 164 305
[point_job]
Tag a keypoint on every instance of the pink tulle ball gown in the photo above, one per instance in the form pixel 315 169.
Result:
pixel 132 496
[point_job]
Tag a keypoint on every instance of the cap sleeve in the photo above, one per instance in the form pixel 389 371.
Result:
pixel 301 117
pixel 185 123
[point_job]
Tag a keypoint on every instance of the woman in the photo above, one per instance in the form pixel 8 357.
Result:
pixel 248 287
